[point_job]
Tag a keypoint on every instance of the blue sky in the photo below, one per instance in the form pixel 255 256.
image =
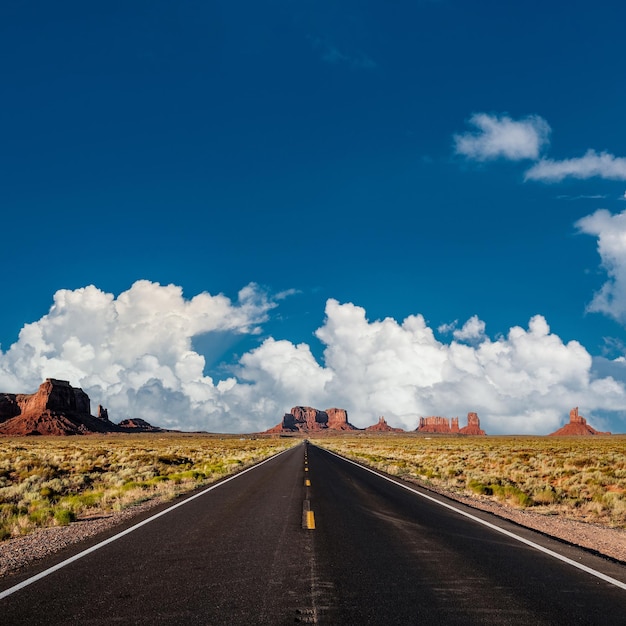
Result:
pixel 400 191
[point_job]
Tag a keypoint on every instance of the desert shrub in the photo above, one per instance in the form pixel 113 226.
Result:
pixel 47 492
pixel 41 516
pixel 63 517
pixel 516 496
pixel 131 484
pixel 582 462
pixel 214 468
pixel 192 475
pixel 8 511
pixel 546 496
pixel 81 501
pixel 617 504
pixel 453 472
pixel 479 488
pixel 158 479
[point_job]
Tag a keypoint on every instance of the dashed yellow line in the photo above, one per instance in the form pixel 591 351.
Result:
pixel 310 520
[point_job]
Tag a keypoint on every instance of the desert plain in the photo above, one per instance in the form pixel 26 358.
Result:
pixel 54 491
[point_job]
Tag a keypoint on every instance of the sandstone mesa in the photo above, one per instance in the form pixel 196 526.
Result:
pixel 444 425
pixel 308 419
pixel 57 408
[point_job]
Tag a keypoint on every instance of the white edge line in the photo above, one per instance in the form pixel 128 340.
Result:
pixel 80 555
pixel 532 544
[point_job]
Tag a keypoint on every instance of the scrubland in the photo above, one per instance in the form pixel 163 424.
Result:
pixel 52 481
pixel 577 478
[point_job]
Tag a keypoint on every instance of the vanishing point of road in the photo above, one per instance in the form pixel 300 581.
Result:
pixel 309 537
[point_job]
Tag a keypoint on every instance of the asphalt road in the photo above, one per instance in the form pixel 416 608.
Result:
pixel 310 538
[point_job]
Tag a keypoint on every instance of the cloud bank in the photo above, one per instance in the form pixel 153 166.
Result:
pixel 133 353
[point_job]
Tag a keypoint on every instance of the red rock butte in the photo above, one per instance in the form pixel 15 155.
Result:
pixel 444 425
pixel 577 427
pixel 382 427
pixel 308 419
pixel 56 408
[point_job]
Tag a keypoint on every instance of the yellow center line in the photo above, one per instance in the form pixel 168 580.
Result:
pixel 307 483
pixel 310 520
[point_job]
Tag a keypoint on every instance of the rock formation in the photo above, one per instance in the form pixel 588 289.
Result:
pixel 473 425
pixel 435 424
pixel 52 395
pixel 577 426
pixel 383 427
pixel 444 425
pixel 137 425
pixel 308 419
pixel 338 419
pixel 57 408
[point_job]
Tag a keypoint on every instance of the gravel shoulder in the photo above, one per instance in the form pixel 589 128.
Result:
pixel 18 552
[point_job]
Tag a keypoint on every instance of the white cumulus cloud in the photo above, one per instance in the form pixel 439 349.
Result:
pixel 525 382
pixel 503 137
pixel 472 330
pixel 448 328
pixel 611 233
pixel 133 353
pixel 591 164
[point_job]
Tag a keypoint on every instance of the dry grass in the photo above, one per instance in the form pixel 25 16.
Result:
pixel 51 481
pixel 578 478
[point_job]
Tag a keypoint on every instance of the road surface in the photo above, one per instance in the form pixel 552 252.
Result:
pixel 308 537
